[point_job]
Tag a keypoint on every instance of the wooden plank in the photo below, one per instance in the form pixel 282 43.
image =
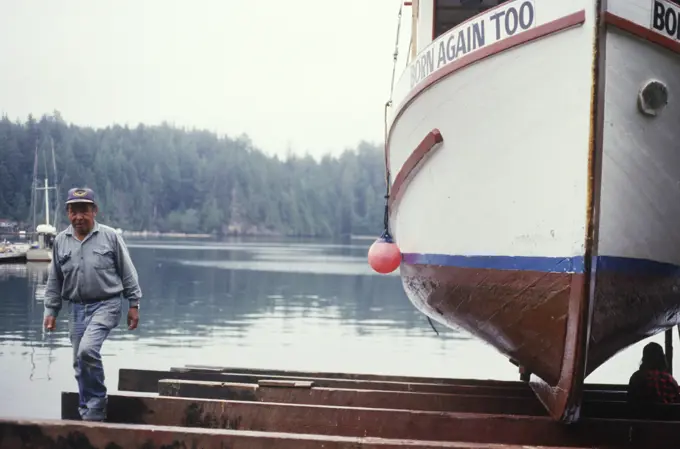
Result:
pixel 604 395
pixel 379 377
pixel 285 383
pixel 349 376
pixel 623 410
pixel 147 381
pixel 352 398
pixel 72 435
pixel 382 423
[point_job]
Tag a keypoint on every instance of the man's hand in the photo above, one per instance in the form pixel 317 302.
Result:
pixel 133 318
pixel 50 323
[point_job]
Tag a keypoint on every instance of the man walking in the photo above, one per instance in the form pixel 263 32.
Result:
pixel 92 270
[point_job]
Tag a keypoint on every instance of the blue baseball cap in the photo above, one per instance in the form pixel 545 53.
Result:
pixel 80 195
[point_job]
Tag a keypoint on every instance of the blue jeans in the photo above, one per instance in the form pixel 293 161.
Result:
pixel 89 325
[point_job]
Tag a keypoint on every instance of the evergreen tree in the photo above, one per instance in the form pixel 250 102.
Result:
pixel 163 178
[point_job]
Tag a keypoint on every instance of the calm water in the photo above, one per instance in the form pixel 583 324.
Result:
pixel 306 306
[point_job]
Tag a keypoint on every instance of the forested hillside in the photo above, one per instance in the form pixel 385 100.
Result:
pixel 161 178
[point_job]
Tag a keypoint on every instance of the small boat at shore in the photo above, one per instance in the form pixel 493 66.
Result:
pixel 41 251
pixel 12 253
pixel 534 179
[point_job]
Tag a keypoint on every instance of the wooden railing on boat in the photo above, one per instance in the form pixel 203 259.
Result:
pixel 216 407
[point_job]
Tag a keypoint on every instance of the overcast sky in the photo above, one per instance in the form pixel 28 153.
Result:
pixel 312 75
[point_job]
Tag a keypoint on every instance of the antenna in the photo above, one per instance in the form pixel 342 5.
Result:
pixel 34 184
pixel 47 189
pixel 56 185
pixel 46 197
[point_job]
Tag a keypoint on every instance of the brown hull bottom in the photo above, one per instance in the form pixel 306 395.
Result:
pixel 631 304
pixel 541 318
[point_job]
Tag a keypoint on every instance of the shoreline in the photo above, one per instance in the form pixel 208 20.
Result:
pixel 209 236
pixel 157 234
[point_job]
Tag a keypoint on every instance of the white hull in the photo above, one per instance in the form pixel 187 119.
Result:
pixel 39 255
pixel 640 192
pixel 510 177
pixel 13 253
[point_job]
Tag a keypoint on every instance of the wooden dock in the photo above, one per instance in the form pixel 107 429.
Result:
pixel 205 407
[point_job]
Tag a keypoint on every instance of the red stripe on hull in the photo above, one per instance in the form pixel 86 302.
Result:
pixel 643 32
pixel 422 150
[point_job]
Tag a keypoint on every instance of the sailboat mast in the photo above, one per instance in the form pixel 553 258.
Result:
pixel 34 186
pixel 47 202
pixel 46 187
pixel 56 184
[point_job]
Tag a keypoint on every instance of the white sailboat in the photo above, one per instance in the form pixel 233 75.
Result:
pixel 12 253
pixel 41 251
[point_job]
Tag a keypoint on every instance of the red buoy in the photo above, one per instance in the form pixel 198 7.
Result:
pixel 384 255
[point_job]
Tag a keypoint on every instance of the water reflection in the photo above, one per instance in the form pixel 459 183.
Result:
pixel 300 305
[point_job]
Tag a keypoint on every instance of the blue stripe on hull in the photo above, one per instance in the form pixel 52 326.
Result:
pixel 545 264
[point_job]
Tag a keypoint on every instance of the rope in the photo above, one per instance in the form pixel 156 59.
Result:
pixel 386 233
pixel 429 320
pixel 395 55
pixel 396 48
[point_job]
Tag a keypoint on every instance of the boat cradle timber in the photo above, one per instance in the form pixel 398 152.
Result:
pixel 533 173
pixel 211 407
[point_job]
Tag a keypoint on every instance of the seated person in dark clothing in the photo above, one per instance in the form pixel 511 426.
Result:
pixel 652 383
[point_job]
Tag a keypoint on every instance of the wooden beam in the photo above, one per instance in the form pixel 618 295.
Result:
pixel 349 376
pixel 380 377
pixel 147 381
pixel 382 423
pixel 623 410
pixel 71 435
pixel 604 395
pixel 352 398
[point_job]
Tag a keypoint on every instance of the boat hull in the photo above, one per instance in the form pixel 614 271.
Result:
pixel 523 314
pixel 39 255
pixel 629 305
pixel 526 198
pixel 15 258
pixel 637 277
